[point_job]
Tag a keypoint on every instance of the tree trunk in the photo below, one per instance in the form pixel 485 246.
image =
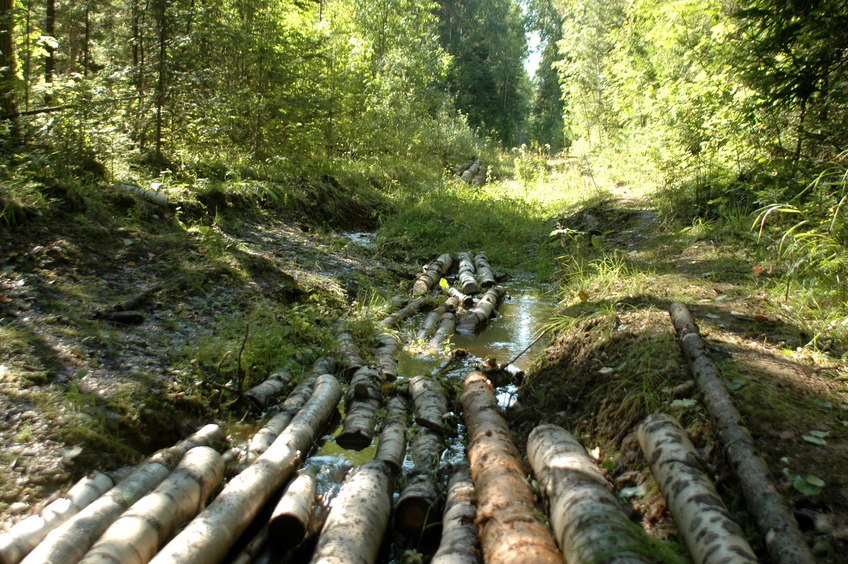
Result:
pixel 447 325
pixel 290 520
pixel 708 528
pixel 7 58
pixel 353 532
pixel 408 311
pixel 510 530
pixel 136 536
pixel 484 271
pixel 207 538
pixel 588 520
pixel 434 272
pixel 476 319
pixel 459 544
pixel 265 437
pixel 161 88
pixel 26 535
pixel 261 395
pixel 431 405
pixel 50 58
pixel 777 525
pixel 417 505
pixel 467 281
pixel 69 542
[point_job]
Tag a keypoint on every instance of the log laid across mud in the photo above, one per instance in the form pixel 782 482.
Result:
pixel 262 394
pixel 775 521
pixel 289 521
pixel 26 535
pixel 476 319
pixel 467 281
pixel 507 515
pixel 136 536
pixel 69 542
pixel 588 520
pixel 207 538
pixel 417 505
pixel 358 518
pixel 709 530
pixel 433 272
pixel 459 544
pixel 430 402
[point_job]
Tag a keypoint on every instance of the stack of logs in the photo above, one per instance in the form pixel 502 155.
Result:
pixel 270 499
pixel 473 172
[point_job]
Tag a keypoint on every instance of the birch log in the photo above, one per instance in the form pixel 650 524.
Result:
pixel 476 319
pixel 708 528
pixel 136 536
pixel 352 360
pixel 433 272
pixel 407 311
pixel 360 422
pixel 69 542
pixel 480 177
pixel 777 525
pixel 468 175
pixel 459 543
pixel 467 281
pixel 447 325
pixel 430 402
pixel 510 530
pixel 290 520
pixel 253 549
pixel 588 520
pixel 466 301
pixel 26 535
pixel 358 517
pixel 265 437
pixel 207 538
pixel 149 195
pixel 484 271
pixel 391 447
pixel 388 347
pixel 428 326
pixel 261 395
pixel 417 505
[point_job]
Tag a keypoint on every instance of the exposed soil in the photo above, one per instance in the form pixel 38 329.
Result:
pixel 619 362
pixel 614 362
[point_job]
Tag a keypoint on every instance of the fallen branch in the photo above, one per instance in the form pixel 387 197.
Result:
pixel 707 527
pixel 777 525
pixel 149 195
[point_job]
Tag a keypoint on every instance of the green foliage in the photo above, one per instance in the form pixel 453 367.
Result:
pixel 486 40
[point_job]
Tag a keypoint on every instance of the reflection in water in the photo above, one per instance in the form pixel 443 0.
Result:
pixel 519 321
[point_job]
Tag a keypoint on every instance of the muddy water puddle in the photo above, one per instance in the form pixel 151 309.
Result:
pixel 521 317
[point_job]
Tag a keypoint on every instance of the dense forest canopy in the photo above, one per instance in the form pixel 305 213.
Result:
pixel 733 103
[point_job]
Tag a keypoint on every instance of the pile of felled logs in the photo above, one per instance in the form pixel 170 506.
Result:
pixel 473 172
pixel 205 501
